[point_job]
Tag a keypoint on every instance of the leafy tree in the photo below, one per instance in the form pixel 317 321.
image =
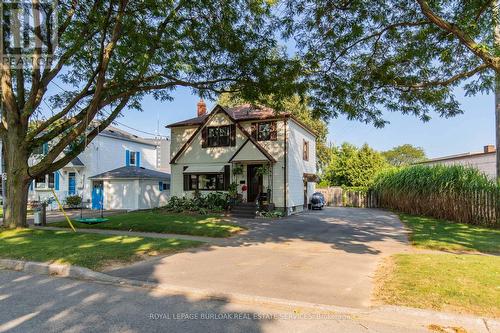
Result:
pixel 404 155
pixel 352 166
pixel 299 108
pixel 111 53
pixel 367 56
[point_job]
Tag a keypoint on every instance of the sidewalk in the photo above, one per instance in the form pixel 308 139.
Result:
pixel 213 240
pixel 276 313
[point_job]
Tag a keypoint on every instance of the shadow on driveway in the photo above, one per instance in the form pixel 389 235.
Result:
pixel 326 257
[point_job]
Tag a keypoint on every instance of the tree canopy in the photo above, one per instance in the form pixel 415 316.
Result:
pixel 367 56
pixel 404 155
pixel 108 55
pixel 352 166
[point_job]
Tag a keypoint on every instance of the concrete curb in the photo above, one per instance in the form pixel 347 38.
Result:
pixel 403 316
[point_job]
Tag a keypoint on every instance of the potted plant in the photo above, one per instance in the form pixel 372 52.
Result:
pixel 262 170
pixel 238 169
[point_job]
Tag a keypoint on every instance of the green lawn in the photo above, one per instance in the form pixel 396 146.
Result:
pixel 443 235
pixel 162 222
pixel 468 283
pixel 444 282
pixel 83 249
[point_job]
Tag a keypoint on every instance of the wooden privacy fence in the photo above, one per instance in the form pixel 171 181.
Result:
pixel 336 196
pixel 480 207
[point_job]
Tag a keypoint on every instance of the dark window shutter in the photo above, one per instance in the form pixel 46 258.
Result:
pixel 227 176
pixel 254 130
pixel 186 182
pixel 204 136
pixel 274 131
pixel 233 135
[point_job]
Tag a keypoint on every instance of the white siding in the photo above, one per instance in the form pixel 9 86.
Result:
pixel 103 154
pixel 486 163
pixel 297 166
pixel 121 194
pixel 150 195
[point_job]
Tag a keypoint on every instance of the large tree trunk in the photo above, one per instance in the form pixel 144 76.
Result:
pixel 497 123
pixel 17 183
pixel 496 44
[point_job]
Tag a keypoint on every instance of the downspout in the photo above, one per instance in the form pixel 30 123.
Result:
pixel 285 192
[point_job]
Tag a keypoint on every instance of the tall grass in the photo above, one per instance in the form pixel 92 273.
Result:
pixel 455 193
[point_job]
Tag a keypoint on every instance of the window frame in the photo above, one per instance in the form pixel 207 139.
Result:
pixel 259 132
pixel 305 150
pixel 216 141
pixel 194 181
pixel 134 154
pixel 46 184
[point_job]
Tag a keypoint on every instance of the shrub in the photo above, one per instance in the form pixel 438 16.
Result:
pixel 73 201
pixel 454 192
pixel 212 202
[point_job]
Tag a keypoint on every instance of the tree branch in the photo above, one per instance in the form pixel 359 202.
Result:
pixel 446 82
pixel 465 39
pixel 48 163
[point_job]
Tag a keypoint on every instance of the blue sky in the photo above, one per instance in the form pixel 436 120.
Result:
pixel 467 132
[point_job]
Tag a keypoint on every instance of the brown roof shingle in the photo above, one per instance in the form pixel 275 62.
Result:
pixel 238 113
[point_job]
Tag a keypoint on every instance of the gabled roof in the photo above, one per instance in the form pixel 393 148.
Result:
pixel 246 150
pixel 206 118
pixel 117 133
pixel 132 172
pixel 244 112
pixel 239 113
pixel 76 162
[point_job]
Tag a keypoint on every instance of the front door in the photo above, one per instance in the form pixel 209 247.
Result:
pixel 254 182
pixel 71 183
pixel 97 195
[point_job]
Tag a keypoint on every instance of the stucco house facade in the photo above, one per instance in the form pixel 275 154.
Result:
pixel 484 161
pixel 259 150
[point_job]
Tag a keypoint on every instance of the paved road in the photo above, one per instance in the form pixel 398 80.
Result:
pixel 326 257
pixel 32 303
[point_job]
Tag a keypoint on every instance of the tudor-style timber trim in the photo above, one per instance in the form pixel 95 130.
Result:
pixel 215 111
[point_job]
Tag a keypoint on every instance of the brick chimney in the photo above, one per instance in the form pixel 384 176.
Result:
pixel 201 108
pixel 489 149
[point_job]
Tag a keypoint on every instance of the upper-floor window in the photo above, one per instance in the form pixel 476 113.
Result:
pixel 264 131
pixel 219 136
pixel 305 151
pixel 42 149
pixel 133 158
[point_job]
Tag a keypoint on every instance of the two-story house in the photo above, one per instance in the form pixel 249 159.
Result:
pixel 117 170
pixel 260 150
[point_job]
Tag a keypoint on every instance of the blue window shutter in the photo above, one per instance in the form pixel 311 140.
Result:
pixel 56 180
pixel 45 148
pixel 161 186
pixel 138 158
pixel 127 157
pixel 31 185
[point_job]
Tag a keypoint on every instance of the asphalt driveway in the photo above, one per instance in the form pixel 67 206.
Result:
pixel 326 257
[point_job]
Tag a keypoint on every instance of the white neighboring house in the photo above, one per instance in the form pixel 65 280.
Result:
pixel 205 150
pixel 112 150
pixel 484 161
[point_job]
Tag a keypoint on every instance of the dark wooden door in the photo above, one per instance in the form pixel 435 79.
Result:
pixel 254 182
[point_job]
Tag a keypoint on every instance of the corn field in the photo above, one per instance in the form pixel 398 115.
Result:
pixel 454 193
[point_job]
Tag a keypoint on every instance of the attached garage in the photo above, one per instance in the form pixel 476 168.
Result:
pixel 130 188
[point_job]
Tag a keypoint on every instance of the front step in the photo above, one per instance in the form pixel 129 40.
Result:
pixel 244 210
